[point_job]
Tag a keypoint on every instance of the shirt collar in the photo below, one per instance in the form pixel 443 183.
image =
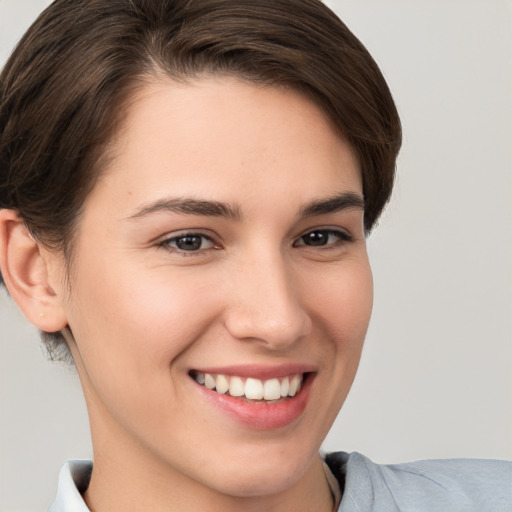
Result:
pixel 74 479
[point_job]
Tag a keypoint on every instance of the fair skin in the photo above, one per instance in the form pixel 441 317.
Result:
pixel 272 284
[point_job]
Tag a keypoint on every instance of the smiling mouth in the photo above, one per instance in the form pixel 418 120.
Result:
pixel 252 389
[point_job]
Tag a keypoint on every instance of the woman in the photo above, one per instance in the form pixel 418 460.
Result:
pixel 186 189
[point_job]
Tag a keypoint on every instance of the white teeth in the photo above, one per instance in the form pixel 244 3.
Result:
pixel 294 386
pixel 285 387
pixel 221 384
pixel 272 389
pixel 236 387
pixel 253 389
pixel 209 381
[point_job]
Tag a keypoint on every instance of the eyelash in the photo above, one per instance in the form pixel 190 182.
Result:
pixel 342 238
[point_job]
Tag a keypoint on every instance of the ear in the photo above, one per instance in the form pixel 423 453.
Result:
pixel 25 269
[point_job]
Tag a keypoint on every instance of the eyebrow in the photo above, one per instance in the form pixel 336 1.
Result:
pixel 336 203
pixel 192 206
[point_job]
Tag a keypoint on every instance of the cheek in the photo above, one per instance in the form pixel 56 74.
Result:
pixel 343 303
pixel 343 308
pixel 130 327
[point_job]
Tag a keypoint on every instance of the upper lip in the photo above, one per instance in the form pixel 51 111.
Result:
pixel 262 372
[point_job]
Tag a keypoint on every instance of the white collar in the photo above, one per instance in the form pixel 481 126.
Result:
pixel 74 479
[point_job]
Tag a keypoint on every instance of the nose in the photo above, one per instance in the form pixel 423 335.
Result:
pixel 266 304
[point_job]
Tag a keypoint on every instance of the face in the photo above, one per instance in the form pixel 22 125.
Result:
pixel 221 289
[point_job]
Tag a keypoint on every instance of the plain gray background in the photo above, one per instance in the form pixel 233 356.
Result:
pixel 436 375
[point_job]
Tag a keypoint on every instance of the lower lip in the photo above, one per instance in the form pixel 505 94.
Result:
pixel 261 416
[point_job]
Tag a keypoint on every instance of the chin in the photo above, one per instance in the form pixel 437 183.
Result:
pixel 272 474
pixel 255 484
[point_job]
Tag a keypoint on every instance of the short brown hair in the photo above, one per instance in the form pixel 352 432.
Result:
pixel 63 89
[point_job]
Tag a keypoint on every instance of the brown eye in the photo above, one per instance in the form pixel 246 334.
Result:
pixel 188 242
pixel 316 238
pixel 323 237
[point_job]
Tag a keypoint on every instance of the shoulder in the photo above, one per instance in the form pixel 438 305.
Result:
pixel 468 485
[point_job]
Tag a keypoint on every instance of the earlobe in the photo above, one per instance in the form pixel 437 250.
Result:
pixel 26 275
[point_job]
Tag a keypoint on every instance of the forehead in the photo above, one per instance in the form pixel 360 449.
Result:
pixel 218 136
